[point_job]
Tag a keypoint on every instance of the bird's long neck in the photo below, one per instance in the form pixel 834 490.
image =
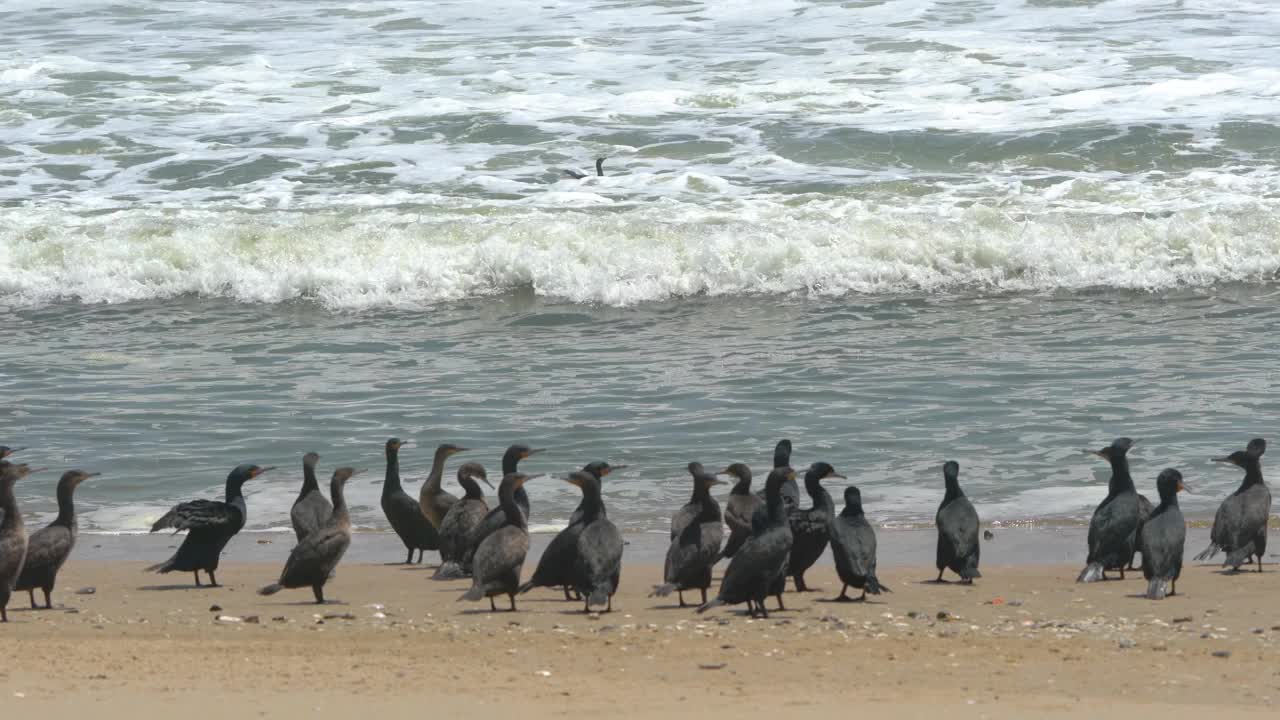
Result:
pixel 339 497
pixel 592 504
pixel 436 475
pixel 742 487
pixel 309 482
pixel 391 483
pixel 852 510
pixel 1252 473
pixel 66 507
pixel 782 456
pixel 776 508
pixel 235 489
pixel 1121 480
pixel 813 486
pixel 471 488
pixel 953 488
pixel 9 503
pixel 508 502
pixel 708 508
pixel 1169 499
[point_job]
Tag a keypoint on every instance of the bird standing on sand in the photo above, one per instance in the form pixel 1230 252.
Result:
pixel 957 523
pixel 599 469
pixel 1240 526
pixel 436 501
pixel 695 550
pixel 809 527
pixel 312 560
pixel 311 509
pixel 853 546
pixel 1113 529
pixel 1163 537
pixel 790 489
pixel 49 547
pixel 13 534
pixel 403 512
pixel 556 566
pixel 496 517
pixel 210 524
pixel 500 557
pixel 762 560
pixel 597 564
pixel 461 519
pixel 739 509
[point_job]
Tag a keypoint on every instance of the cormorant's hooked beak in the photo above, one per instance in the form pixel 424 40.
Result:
pixel 834 474
pixel 1100 453
pixel 36 470
pixel 358 471
pixel 534 451
pixel 482 478
pixel 459 449
pixel 611 468
pixel 1226 459
pixel 1182 488
pixel 261 470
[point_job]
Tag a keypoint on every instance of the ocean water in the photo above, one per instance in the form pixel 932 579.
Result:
pixel 895 232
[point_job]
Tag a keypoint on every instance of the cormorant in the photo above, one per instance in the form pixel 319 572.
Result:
pixel 1163 537
pixel 49 547
pixel 690 511
pixel 500 557
pixel 210 524
pixel 435 501
pixel 597 564
pixel 13 534
pixel 809 527
pixel 742 504
pixel 758 565
pixel 461 519
pixel 496 518
pixel 575 175
pixel 599 468
pixel 556 566
pixel 1240 527
pixel 1144 511
pixel 403 512
pixel 311 509
pixel 1113 530
pixel 695 550
pixel 5 452
pixel 790 489
pixel 957 523
pixel 312 560
pixel 853 546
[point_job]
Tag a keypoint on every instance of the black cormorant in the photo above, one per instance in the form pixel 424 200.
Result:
pixel 402 511
pixel 853 546
pixel 461 519
pixel 498 560
pixel 575 175
pixel 313 559
pixel 1113 530
pixel 695 550
pixel 496 518
pixel 210 524
pixel 13 534
pixel 597 564
pixel 49 547
pixel 809 527
pixel 760 563
pixel 1240 527
pixel 957 523
pixel 312 509
pixel 790 489
pixel 1163 537
pixel 600 469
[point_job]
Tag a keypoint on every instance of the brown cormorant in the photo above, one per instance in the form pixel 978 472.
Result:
pixel 957 523
pixel 461 519
pixel 761 562
pixel 312 560
pixel 742 504
pixel 498 560
pixel 402 511
pixel 311 509
pixel 210 524
pixel 1240 527
pixel 435 501
pixel 1163 537
pixel 496 518
pixel 1113 530
pixel 49 547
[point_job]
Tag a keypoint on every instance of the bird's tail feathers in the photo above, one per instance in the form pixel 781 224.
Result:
pixel 1209 551
pixel 525 588
pixel 874 587
pixel 1091 573
pixel 1239 556
pixel 475 593
pixel 271 589
pixel 449 570
pixel 1157 588
pixel 163 567
pixel 663 590
pixel 714 602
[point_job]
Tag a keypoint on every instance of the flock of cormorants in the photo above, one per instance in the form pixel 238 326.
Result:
pixel 770 539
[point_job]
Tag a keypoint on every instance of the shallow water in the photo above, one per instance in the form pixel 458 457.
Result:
pixel 895 232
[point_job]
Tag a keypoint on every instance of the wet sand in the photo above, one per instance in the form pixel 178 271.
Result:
pixel 1025 641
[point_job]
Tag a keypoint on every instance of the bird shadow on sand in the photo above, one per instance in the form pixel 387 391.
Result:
pixel 166 588
pixel 951 583
pixel 311 603
pixel 851 601
pixel 487 611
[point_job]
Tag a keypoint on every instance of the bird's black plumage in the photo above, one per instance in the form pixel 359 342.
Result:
pixel 739 509
pixel 500 556
pixel 696 548
pixel 313 559
pixel 49 547
pixel 1144 511
pixel 597 562
pixel 1113 529
pixel 759 564
pixel 790 489
pixel 1240 525
pixel 435 500
pixel 1163 537
pixel 853 546
pixel 13 534
pixel 497 517
pixel 210 525
pixel 810 526
pixel 402 511
pixel 957 523
pixel 599 469
pixel 575 175
pixel 461 519
pixel 556 566
pixel 312 509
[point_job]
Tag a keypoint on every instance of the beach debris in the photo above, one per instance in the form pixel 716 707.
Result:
pixel 945 616
pixel 215 608
pixel 1183 619
pixel 264 542
pixel 1126 643
pixel 543 673
pixel 995 601
pixel 252 619
pixel 1222 653
pixel 279 618
pixel 229 619
pixel 87 590
pixel 712 666
pixel 988 535
pixel 339 616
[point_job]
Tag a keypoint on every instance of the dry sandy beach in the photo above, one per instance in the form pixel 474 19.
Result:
pixel 1026 641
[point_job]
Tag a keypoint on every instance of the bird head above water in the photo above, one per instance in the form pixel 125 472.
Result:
pixel 1239 458
pixel 951 470
pixel 852 498
pixel 16 471
pixel 1256 447
pixel 1117 449
pixel 394 444
pixel 739 471
pixel 248 471
pixel 782 453
pixel 583 480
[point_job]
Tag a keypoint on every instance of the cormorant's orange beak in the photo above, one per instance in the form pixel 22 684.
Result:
pixel 458 450
pixel 261 470
pixel 1182 488
pixel 834 474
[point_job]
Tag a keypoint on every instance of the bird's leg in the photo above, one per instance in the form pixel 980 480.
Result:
pixel 586 605
pixel 1259 558
pixel 780 605
pixel 513 601
pixel 197 574
pixel 800 586
pixel 1173 587
pixel 32 593
pixel 409 560
pixel 863 598
pixel 213 579
pixel 967 581
pixel 319 593
pixel 1122 573
pixel 48 601
pixel 704 595
pixel 609 604
pixel 764 611
pixel 566 593
pixel 492 607
pixel 939 576
pixel 4 615
pixel 680 594
pixel 844 597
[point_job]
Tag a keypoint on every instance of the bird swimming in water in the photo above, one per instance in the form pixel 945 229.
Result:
pixel 49 547
pixel 759 564
pixel 809 527
pixel 500 557
pixel 957 523
pixel 575 175
pixel 13 534
pixel 312 560
pixel 739 509
pixel 1163 537
pixel 597 564
pixel 461 519
pixel 1113 529
pixel 853 546
pixel 1240 526
pixel 311 509
pixel 403 512
pixel 556 566
pixel 210 525
pixel 695 550
pixel 790 489
pixel 436 501
pixel 496 517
